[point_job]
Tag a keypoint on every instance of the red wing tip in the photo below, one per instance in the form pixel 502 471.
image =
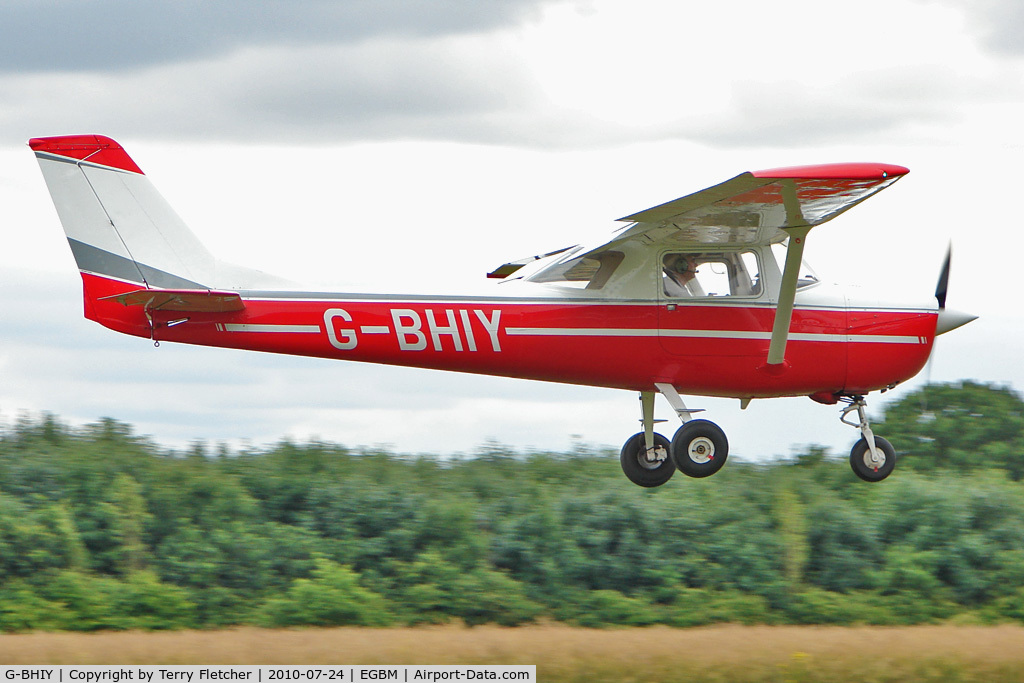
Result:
pixel 97 149
pixel 848 171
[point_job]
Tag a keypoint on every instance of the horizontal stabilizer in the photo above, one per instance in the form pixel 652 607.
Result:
pixel 183 300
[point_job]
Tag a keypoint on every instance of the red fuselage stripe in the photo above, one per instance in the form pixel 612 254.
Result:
pixel 701 349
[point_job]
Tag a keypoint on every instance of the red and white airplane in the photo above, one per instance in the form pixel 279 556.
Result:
pixel 703 295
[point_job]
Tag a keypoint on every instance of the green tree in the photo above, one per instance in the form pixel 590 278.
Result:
pixel 101 529
pixel 22 609
pixel 144 602
pixel 333 597
pixel 86 601
pixel 32 541
pixel 611 608
pixel 792 525
pixel 844 545
pixel 434 590
pixel 128 517
pixel 962 426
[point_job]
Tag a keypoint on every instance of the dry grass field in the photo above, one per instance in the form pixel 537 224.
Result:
pixel 563 653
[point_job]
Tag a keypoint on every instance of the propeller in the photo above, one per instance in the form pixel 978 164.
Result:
pixel 948 319
pixel 943 286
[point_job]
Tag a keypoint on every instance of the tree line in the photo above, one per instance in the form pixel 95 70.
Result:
pixel 102 529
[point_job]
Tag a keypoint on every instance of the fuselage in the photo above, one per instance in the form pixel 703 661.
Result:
pixel 836 345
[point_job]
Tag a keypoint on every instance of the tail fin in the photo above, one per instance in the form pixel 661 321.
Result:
pixel 116 222
pixel 120 227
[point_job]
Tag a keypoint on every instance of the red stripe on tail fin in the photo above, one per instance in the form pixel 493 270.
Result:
pixel 96 149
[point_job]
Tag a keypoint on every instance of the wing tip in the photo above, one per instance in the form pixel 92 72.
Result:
pixel 97 149
pixel 843 171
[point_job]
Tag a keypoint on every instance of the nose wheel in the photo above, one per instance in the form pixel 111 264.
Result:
pixel 872 458
pixel 873 467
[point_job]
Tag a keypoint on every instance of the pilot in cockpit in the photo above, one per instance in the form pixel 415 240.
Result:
pixel 680 269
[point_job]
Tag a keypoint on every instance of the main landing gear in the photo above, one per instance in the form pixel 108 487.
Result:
pixel 872 458
pixel 698 449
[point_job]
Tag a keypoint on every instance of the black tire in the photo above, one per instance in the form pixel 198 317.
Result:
pixel 860 460
pixel 699 448
pixel 638 469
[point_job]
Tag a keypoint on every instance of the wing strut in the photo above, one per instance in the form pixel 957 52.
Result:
pixel 797 228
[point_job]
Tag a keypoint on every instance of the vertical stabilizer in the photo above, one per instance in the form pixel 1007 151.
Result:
pixel 117 223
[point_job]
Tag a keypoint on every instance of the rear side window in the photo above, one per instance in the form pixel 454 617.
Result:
pixel 584 272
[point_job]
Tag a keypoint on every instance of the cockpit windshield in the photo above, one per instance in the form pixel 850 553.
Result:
pixel 806 277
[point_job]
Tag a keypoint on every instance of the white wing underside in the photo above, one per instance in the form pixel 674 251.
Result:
pixel 752 209
pixel 747 210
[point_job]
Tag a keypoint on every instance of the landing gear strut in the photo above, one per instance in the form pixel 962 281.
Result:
pixel 698 448
pixel 872 458
pixel 645 456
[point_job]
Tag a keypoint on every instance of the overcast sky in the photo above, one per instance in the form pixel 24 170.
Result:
pixel 332 140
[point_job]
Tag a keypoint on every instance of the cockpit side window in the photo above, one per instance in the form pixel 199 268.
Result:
pixel 711 274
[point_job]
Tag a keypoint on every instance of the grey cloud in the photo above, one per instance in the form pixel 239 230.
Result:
pixel 414 71
pixel 453 89
pixel 995 24
pixel 274 71
pixel 999 24
pixel 872 107
pixel 377 88
pixel 72 35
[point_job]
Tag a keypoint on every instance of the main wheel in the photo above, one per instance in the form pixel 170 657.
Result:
pixel 863 467
pixel 643 468
pixel 699 448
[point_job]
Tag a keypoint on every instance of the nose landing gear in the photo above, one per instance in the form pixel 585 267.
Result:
pixel 872 457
